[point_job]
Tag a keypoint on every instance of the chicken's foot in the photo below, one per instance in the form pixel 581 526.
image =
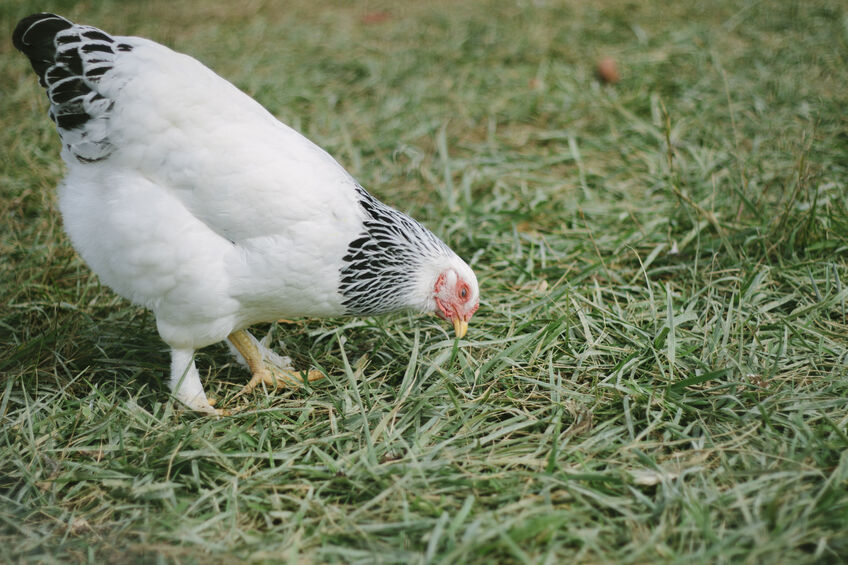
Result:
pixel 262 371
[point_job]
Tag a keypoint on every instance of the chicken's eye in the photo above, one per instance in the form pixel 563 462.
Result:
pixel 464 292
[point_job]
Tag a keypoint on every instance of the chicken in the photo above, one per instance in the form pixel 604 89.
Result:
pixel 186 196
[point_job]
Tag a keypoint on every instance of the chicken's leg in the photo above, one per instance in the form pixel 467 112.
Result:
pixel 262 371
pixel 186 386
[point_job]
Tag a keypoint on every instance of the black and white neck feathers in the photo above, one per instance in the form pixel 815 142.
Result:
pixel 392 263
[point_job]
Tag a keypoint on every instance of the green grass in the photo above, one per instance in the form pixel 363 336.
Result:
pixel 657 372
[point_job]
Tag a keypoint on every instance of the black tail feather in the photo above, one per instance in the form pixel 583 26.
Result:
pixel 71 60
pixel 35 37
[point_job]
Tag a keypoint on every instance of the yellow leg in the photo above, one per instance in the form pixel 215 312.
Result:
pixel 263 372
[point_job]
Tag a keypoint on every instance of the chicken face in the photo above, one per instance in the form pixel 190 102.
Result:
pixel 457 297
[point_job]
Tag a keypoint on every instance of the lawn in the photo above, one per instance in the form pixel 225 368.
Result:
pixel 657 372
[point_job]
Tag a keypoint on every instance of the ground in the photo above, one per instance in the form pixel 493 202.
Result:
pixel 657 369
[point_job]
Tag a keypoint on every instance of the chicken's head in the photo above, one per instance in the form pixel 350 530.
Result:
pixel 457 296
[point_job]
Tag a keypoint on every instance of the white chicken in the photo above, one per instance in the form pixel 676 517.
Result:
pixel 186 196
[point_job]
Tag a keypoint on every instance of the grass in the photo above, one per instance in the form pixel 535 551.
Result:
pixel 657 370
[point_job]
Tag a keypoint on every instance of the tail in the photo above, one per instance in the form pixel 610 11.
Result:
pixel 71 60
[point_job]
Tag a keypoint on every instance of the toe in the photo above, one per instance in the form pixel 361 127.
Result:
pixel 314 375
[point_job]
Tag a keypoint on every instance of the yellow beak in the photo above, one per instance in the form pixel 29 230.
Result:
pixel 460 327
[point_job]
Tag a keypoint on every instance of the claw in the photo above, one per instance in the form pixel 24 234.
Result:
pixel 279 378
pixel 264 372
pixel 206 407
